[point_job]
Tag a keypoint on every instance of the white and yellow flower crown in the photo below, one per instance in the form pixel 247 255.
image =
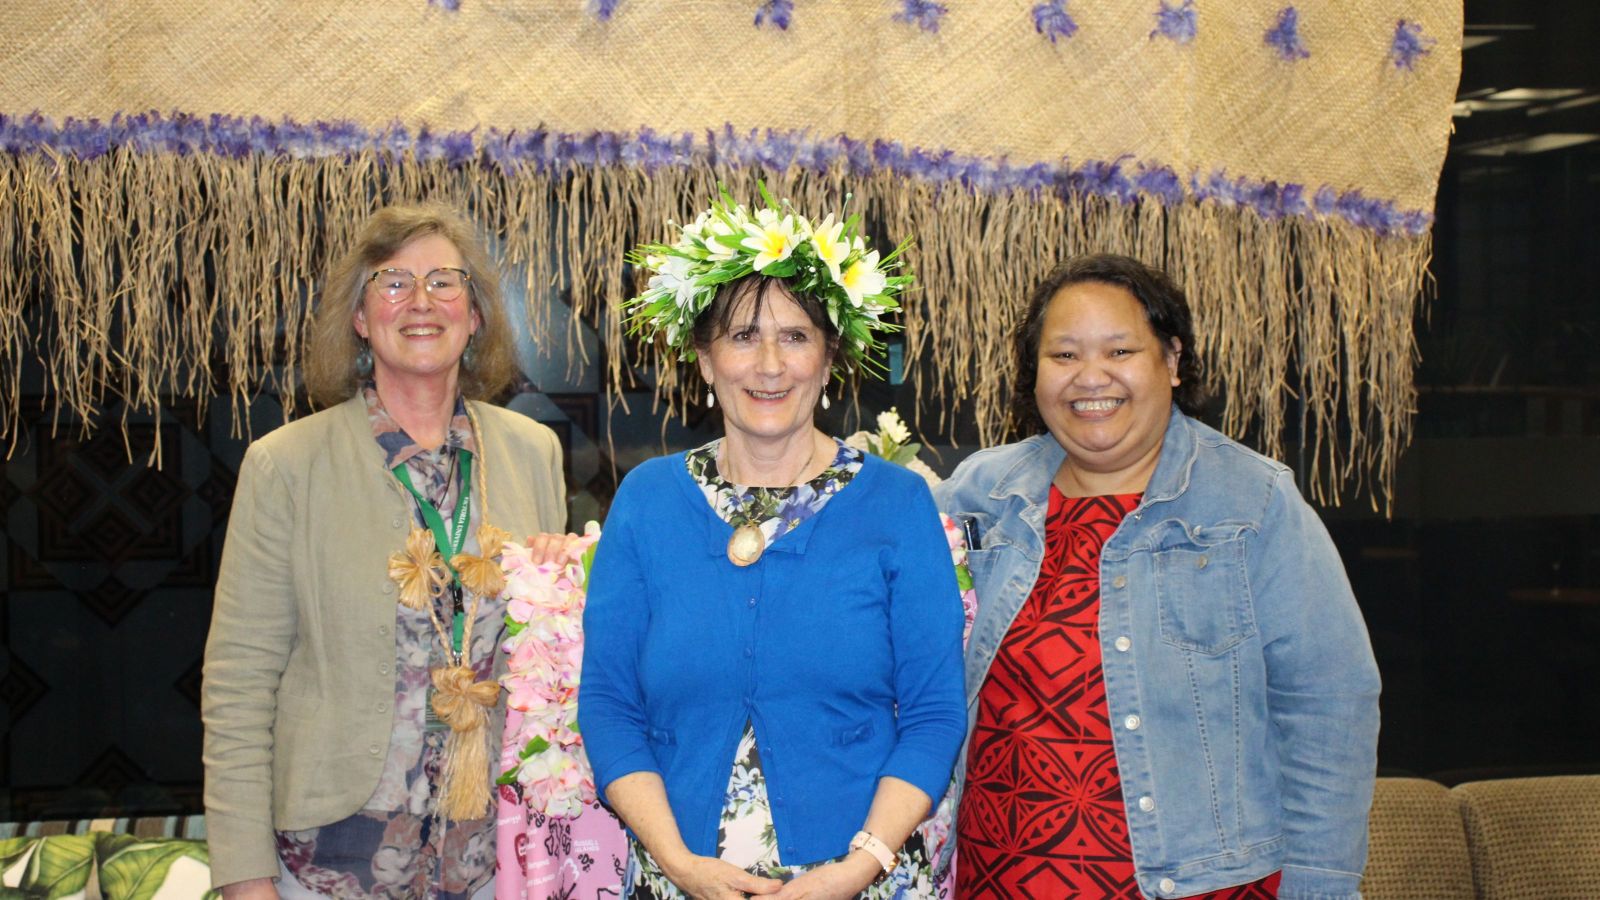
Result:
pixel 827 261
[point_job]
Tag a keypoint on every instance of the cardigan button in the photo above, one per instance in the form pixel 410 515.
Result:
pixel 395 521
pixel 373 749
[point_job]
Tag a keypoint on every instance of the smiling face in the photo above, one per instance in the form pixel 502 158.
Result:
pixel 769 367
pixel 420 338
pixel 1105 384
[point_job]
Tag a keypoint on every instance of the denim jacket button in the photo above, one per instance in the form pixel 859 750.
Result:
pixel 1167 885
pixel 1147 804
pixel 1201 562
pixel 1132 723
pixel 1122 644
pixel 1121 581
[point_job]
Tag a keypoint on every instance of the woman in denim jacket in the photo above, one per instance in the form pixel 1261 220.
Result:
pixel 1170 691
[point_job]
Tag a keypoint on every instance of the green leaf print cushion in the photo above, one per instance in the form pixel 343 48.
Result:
pixel 135 868
pixel 49 868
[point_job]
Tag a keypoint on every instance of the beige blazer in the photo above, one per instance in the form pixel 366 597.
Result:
pixel 298 694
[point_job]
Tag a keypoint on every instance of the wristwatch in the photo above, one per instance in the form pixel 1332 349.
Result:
pixel 875 848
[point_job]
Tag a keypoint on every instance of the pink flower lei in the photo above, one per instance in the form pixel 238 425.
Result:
pixel 544 618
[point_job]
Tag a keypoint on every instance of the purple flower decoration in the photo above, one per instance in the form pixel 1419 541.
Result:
pixel 924 14
pixel 1409 44
pixel 446 5
pixel 775 11
pixel 604 9
pixel 1176 23
pixel 1285 36
pixel 1051 20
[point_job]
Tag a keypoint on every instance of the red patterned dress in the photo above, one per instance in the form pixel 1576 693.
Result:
pixel 1042 815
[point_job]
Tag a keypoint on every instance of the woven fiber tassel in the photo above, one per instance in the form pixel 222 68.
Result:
pixel 463 703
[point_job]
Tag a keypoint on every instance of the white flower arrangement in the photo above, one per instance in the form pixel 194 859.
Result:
pixel 828 261
pixel 892 441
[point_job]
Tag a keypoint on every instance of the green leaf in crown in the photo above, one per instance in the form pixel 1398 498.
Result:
pixel 829 261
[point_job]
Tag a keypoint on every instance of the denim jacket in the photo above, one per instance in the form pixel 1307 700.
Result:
pixel 1239 679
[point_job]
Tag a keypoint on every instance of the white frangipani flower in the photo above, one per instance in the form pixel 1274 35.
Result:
pixel 863 279
pixel 830 249
pixel 772 238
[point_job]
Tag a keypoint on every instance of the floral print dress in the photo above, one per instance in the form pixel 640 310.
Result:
pixel 397 845
pixel 746 837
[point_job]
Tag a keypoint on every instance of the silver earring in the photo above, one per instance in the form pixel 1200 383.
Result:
pixel 470 354
pixel 825 403
pixel 364 360
pixel 711 398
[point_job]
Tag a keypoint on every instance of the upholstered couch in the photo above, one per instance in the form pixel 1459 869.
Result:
pixel 1508 839
pixel 119 859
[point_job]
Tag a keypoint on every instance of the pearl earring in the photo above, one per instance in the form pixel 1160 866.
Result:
pixel 711 398
pixel 825 403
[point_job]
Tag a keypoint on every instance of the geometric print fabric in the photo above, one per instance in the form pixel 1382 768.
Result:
pixel 1042 814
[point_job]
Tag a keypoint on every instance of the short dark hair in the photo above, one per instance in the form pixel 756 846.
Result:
pixel 717 318
pixel 1165 308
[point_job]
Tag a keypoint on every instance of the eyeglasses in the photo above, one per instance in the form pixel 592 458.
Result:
pixel 397 285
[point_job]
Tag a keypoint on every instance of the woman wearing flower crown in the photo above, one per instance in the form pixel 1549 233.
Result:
pixel 772 689
pixel 349 738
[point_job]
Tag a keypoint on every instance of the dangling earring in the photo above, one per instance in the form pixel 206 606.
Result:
pixel 364 360
pixel 825 403
pixel 711 397
pixel 470 354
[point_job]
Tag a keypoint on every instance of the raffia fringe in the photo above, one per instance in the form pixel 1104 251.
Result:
pixel 145 276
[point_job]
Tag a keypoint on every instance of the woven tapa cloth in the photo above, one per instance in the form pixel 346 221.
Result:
pixel 1275 157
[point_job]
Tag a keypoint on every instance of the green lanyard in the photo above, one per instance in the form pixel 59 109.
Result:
pixel 451 542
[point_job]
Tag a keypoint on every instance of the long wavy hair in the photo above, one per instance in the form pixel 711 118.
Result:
pixel 330 362
pixel 1165 308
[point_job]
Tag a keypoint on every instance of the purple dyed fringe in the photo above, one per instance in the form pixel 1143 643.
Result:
pixel 777 12
pixel 1052 20
pixel 1285 36
pixel 1409 45
pixel 1122 179
pixel 1176 23
pixel 924 14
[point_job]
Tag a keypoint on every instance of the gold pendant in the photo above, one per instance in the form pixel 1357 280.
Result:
pixel 746 545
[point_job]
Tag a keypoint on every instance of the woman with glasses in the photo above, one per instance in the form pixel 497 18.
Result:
pixel 350 704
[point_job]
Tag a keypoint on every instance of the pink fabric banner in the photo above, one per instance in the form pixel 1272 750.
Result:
pixel 554 857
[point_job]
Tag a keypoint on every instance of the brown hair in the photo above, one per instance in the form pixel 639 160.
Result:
pixel 1165 308
pixel 330 366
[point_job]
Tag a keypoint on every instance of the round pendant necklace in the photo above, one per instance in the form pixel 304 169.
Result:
pixel 747 542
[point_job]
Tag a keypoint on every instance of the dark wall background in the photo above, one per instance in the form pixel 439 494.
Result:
pixel 1482 593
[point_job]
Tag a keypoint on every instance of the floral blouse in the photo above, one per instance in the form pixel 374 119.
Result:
pixel 396 845
pixel 746 837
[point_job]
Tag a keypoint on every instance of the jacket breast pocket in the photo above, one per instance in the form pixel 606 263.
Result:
pixel 1202 594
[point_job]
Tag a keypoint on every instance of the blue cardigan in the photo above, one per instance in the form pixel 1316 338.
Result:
pixel 841 645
